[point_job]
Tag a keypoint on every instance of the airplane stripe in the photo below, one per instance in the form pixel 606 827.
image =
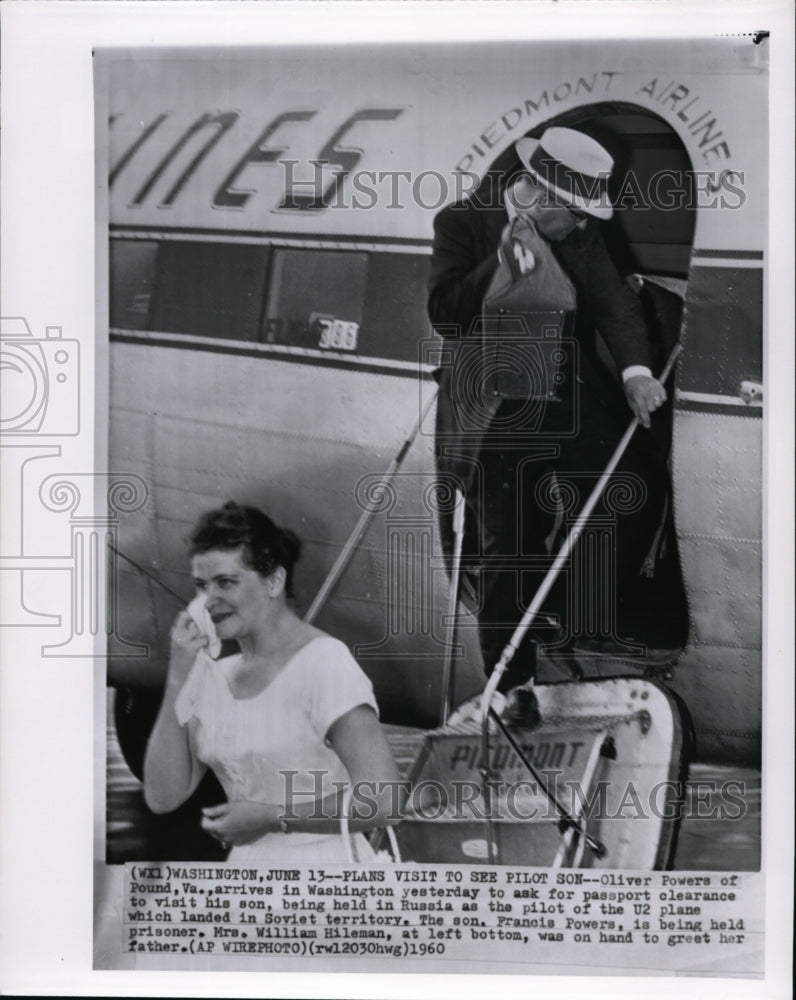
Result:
pixel 700 258
pixel 726 261
pixel 730 254
pixel 715 399
pixel 685 401
pixel 715 405
pixel 394 244
pixel 286 353
pixel 727 258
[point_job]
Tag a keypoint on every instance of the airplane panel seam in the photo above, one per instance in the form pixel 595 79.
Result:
pixel 703 644
pixel 734 733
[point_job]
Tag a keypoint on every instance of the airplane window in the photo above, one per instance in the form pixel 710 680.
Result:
pixel 132 275
pixel 210 289
pixel 315 299
pixel 395 318
pixel 371 304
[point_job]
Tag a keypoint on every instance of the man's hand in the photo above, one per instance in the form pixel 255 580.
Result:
pixel 644 396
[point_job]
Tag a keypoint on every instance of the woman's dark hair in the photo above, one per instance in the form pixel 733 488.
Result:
pixel 265 545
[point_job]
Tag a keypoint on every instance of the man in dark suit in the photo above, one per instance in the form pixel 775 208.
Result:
pixel 505 454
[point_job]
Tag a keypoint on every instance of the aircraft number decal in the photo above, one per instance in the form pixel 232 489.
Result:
pixel 336 334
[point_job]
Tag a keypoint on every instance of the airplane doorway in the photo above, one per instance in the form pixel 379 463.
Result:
pixel 649 239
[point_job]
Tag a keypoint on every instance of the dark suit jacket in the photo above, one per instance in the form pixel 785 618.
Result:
pixel 466 238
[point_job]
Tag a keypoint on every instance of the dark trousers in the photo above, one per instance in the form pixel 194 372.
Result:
pixel 534 481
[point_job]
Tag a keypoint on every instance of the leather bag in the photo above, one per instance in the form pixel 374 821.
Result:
pixel 528 311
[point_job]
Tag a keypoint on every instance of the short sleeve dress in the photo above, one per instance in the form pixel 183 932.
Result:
pixel 272 747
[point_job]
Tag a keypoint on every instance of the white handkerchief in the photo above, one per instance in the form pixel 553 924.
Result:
pixel 200 614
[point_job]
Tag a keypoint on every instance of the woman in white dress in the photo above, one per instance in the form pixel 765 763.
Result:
pixel 287 724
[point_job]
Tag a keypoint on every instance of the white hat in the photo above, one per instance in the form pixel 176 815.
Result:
pixel 573 166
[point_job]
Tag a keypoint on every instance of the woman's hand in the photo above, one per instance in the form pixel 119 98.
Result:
pixel 171 769
pixel 238 822
pixel 186 641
